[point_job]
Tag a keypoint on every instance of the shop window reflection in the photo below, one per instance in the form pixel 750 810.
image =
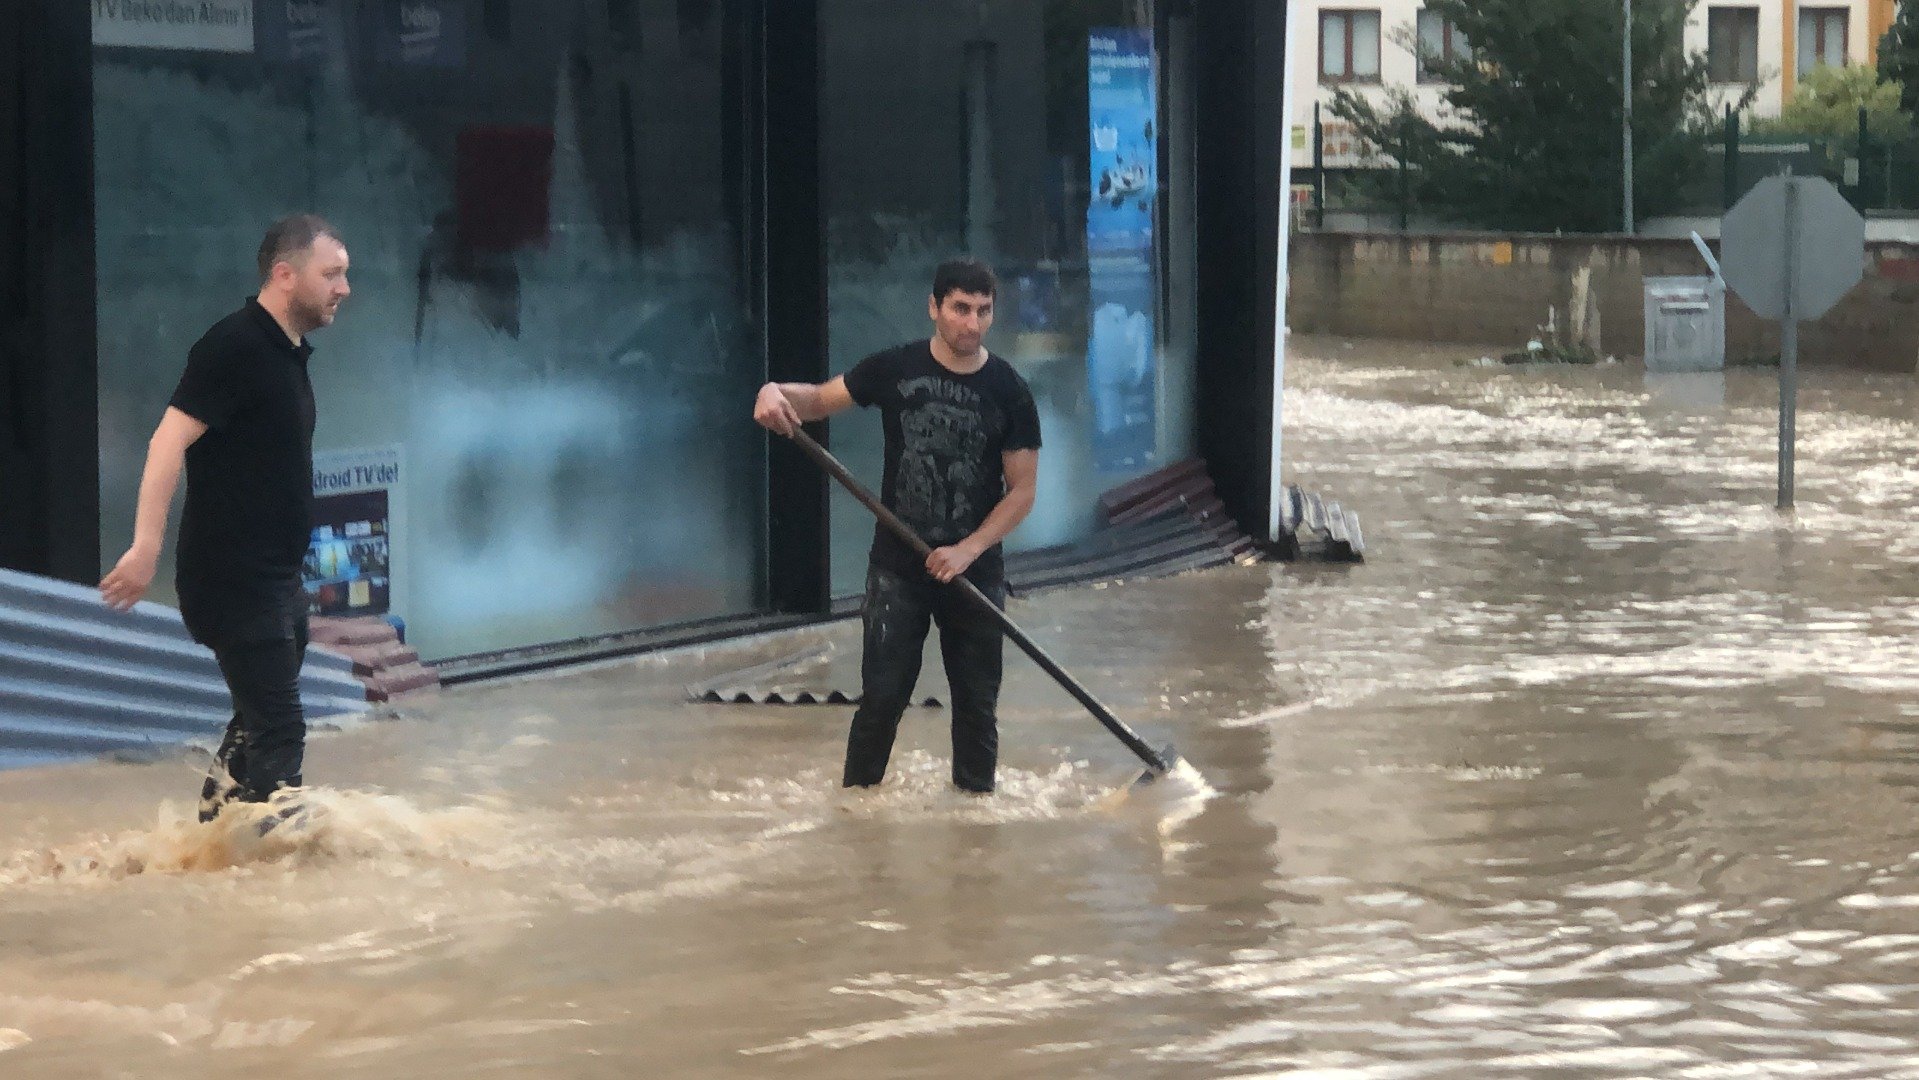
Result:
pixel 561 370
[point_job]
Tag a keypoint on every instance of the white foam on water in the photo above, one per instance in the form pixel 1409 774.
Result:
pixel 1059 1048
pixel 1599 1057
pixel 1614 1010
pixel 1860 993
pixel 1620 890
pixel 1170 800
pixel 1540 430
pixel 919 786
pixel 1762 1068
pixel 968 1001
pixel 1867 900
pixel 1773 950
pixel 50 1012
pixel 617 871
pixel 1267 716
pixel 1884 941
pixel 236 1034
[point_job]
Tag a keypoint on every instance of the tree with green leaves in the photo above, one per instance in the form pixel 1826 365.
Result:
pixel 1529 135
pixel 1827 101
pixel 1899 55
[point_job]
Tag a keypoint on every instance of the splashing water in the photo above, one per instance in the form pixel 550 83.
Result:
pixel 1172 799
pixel 919 786
pixel 296 826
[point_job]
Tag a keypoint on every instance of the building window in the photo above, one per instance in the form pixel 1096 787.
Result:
pixel 1439 42
pixel 1732 44
pixel 1822 38
pixel 1349 46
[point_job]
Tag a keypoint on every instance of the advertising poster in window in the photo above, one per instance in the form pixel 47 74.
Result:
pixel 299 32
pixel 1122 340
pixel 425 33
pixel 349 562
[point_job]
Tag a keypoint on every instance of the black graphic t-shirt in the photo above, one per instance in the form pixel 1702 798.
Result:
pixel 945 433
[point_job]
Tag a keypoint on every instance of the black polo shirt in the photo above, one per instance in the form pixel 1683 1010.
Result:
pixel 249 508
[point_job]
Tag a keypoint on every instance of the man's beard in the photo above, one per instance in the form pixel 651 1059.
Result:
pixel 960 346
pixel 307 316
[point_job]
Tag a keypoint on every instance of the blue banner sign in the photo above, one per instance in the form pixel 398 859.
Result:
pixel 1122 342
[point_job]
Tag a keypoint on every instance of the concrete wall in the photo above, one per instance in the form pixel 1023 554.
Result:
pixel 1494 290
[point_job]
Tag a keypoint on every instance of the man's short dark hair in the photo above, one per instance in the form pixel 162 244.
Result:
pixel 963 275
pixel 289 238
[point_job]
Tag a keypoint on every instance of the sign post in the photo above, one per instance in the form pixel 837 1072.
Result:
pixel 1792 247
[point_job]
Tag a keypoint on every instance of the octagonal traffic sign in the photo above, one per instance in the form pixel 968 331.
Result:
pixel 1798 220
pixel 1791 248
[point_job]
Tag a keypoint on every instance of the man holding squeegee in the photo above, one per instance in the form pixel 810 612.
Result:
pixel 962 465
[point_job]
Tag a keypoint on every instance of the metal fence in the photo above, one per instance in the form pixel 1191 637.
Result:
pixel 1876 173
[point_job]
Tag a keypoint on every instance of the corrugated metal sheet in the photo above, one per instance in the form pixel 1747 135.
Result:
pixel 78 678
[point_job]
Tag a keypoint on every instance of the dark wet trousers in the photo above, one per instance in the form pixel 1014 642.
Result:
pixel 897 614
pixel 266 740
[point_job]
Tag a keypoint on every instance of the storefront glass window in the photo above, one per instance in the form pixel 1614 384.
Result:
pixel 1038 135
pixel 530 412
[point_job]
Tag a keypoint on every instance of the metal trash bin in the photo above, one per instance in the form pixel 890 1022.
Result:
pixel 1685 324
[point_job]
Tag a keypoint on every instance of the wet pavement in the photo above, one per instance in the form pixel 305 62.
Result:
pixel 1599 767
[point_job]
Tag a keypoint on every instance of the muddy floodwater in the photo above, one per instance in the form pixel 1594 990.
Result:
pixel 1599 767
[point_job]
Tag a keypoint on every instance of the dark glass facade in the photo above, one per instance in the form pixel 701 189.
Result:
pixel 582 233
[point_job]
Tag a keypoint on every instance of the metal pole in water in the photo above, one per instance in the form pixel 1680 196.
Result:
pixel 1789 350
pixel 1319 170
pixel 1293 44
pixel 1626 123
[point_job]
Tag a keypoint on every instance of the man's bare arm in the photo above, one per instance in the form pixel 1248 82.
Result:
pixel 1022 483
pixel 783 407
pixel 130 578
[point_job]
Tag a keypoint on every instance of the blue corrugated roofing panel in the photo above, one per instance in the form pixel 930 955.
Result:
pixel 79 678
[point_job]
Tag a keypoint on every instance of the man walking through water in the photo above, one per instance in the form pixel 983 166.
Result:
pixel 241 424
pixel 962 462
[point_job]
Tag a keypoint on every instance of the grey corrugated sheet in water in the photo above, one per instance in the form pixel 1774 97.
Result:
pixel 78 678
